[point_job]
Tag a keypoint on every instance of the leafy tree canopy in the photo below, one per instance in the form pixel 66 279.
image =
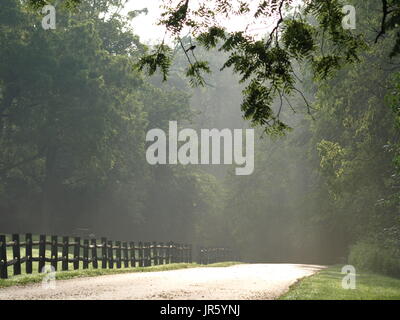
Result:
pixel 310 33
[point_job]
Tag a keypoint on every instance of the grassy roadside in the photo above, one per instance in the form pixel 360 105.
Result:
pixel 327 285
pixel 25 279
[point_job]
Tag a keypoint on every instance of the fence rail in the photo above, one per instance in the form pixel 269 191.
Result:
pixel 103 253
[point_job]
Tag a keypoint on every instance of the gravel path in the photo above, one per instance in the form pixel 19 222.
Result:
pixel 244 281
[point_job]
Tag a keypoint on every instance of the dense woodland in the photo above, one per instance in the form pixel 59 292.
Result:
pixel 75 109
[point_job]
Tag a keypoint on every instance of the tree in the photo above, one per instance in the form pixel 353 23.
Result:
pixel 333 181
pixel 73 126
pixel 312 34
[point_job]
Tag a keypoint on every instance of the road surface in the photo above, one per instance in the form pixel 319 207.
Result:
pixel 238 282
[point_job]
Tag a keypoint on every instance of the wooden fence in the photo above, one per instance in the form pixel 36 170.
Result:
pixel 213 255
pixel 101 253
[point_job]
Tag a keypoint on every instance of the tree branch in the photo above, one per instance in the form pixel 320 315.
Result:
pixel 383 23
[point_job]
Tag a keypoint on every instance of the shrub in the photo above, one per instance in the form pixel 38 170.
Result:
pixel 367 255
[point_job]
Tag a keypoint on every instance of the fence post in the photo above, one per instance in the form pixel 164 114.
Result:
pixel 169 250
pixel 198 250
pixel 167 247
pixel 65 253
pixel 158 253
pixel 16 254
pixel 104 253
pixel 200 257
pixel 162 253
pixel 110 255
pixel 181 253
pixel 140 254
pixel 94 254
pixel 42 252
pixel 118 253
pixel 190 259
pixel 133 254
pixel 125 254
pixel 155 253
pixel 150 260
pixel 167 253
pixel 54 252
pixel 148 264
pixel 177 253
pixel 85 253
pixel 174 252
pixel 28 253
pixel 3 257
pixel 77 249
pixel 146 254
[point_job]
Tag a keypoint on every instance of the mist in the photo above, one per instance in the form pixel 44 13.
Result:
pixel 74 117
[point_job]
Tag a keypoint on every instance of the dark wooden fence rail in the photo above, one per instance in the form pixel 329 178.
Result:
pixel 103 253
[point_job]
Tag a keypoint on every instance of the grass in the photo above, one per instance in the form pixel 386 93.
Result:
pixel 327 285
pixel 25 279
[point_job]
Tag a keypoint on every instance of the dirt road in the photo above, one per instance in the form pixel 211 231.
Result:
pixel 245 281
